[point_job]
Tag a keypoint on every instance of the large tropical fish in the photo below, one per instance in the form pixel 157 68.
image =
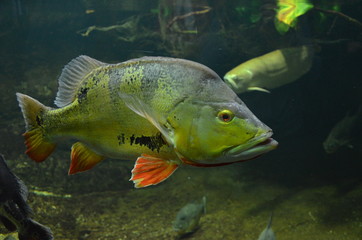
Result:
pixel 164 111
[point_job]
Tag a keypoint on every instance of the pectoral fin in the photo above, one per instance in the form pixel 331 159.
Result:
pixel 258 89
pixel 83 158
pixel 149 170
pixel 142 109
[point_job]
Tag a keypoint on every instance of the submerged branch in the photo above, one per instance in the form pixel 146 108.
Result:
pixel 128 25
pixel 85 33
pixel 348 18
pixel 177 18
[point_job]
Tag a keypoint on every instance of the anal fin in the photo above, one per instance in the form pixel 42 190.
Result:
pixel 83 158
pixel 149 170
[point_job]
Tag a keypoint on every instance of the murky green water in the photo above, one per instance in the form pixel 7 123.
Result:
pixel 313 194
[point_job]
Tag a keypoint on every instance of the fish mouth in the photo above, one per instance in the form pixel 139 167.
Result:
pixel 254 148
pixel 229 79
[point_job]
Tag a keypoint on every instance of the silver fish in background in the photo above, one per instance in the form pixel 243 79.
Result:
pixel 271 70
pixel 344 133
pixel 267 233
pixel 188 218
pixel 14 211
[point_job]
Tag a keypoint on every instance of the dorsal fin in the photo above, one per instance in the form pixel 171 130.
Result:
pixel 72 75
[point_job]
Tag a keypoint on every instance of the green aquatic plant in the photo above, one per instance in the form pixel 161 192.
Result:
pixel 288 11
pixel 249 11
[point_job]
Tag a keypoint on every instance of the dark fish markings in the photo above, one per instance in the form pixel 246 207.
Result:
pixel 83 91
pixel 39 118
pixel 82 95
pixel 132 138
pixel 121 139
pixel 95 80
pixel 152 142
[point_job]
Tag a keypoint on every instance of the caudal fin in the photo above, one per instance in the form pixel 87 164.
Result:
pixel 32 230
pixel 37 147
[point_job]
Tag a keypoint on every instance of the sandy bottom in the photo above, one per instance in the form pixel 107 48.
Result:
pixel 236 209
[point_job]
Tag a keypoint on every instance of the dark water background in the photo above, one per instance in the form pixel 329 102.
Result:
pixel 39 37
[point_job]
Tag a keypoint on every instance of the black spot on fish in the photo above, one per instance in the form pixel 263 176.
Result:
pixel 39 119
pixel 132 138
pixel 120 139
pixel 82 95
pixel 95 81
pixel 152 142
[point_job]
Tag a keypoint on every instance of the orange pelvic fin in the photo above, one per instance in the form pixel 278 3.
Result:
pixel 149 170
pixel 36 147
pixel 83 158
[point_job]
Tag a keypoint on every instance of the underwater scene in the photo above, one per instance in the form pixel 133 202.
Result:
pixel 181 119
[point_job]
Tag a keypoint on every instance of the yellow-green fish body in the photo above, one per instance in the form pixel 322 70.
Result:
pixel 99 118
pixel 164 111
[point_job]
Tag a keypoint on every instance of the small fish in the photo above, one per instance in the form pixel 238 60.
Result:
pixel 344 133
pixel 188 218
pixel 267 233
pixel 14 211
pixel 89 11
pixel 271 70
pixel 165 111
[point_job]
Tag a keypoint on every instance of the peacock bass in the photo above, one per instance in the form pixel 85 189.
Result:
pixel 162 111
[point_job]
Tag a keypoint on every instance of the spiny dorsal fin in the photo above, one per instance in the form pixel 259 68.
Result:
pixel 72 75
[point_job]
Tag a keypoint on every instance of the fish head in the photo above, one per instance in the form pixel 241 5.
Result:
pixel 207 133
pixel 239 79
pixel 181 223
pixel 332 144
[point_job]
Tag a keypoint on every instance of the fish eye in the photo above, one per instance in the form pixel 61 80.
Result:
pixel 225 116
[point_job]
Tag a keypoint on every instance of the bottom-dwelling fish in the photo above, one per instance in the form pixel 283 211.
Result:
pixel 267 233
pixel 271 70
pixel 188 218
pixel 14 211
pixel 344 133
pixel 165 111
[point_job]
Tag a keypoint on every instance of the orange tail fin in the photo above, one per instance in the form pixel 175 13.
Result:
pixel 38 147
